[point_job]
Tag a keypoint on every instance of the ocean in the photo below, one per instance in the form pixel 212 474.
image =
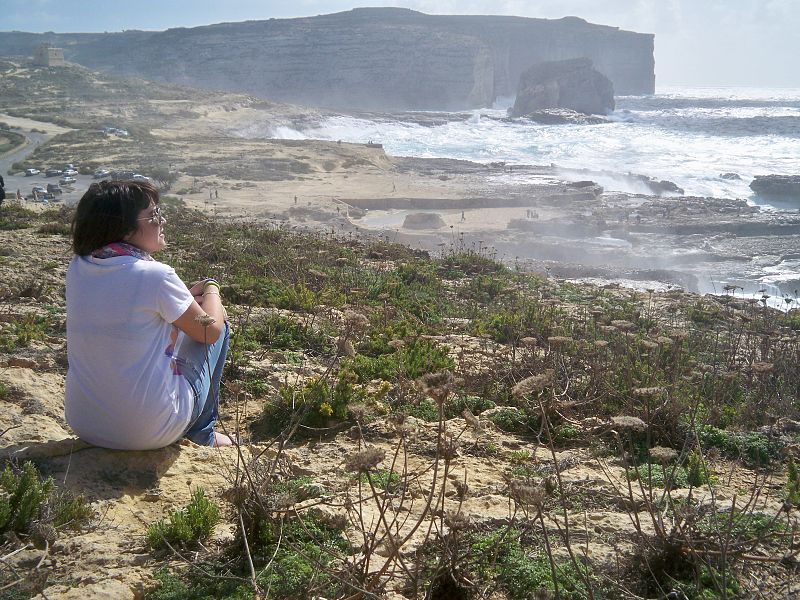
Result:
pixel 690 136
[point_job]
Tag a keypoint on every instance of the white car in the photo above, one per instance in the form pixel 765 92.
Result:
pixel 69 172
pixel 31 172
pixel 138 177
pixel 67 180
pixel 38 189
pixel 101 173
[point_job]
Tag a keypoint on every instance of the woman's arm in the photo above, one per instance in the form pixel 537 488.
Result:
pixel 191 321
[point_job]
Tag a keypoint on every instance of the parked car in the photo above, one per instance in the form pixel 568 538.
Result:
pixel 54 188
pixel 67 180
pixel 38 189
pixel 69 172
pixel 52 173
pixel 140 177
pixel 31 172
pixel 69 167
pixel 101 173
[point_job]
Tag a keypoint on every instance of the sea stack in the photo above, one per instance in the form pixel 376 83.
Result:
pixel 572 84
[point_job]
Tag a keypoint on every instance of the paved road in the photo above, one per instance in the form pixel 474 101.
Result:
pixel 18 181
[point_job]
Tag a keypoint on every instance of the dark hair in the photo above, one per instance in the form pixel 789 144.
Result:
pixel 107 213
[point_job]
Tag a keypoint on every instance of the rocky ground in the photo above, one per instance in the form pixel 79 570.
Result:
pixel 544 468
pixel 483 476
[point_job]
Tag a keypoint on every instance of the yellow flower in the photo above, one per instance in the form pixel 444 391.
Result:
pixel 325 409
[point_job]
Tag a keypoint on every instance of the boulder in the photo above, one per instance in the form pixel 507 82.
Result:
pixel 573 84
pixel 777 187
pixel 423 221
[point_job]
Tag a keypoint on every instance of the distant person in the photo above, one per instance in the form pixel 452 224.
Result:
pixel 144 370
pixel 2 190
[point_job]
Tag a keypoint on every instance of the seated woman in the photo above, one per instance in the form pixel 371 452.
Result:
pixel 145 351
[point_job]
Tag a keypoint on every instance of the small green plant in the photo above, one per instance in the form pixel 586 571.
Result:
pixel 514 420
pixel 383 480
pixel 521 571
pixel 26 499
pixel 191 524
pixel 791 492
pixel 754 448
pixel 697 472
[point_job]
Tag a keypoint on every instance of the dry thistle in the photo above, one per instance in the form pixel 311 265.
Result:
pixel 608 329
pixel 534 384
pixel 355 321
pixel 663 455
pixel 396 344
pixel 623 325
pixel 649 345
pixel 647 392
pixel 438 385
pixel 456 520
pixel 237 495
pixel 472 420
pixel 358 412
pixel 526 495
pixel 600 344
pixel 762 368
pixel 365 460
pixel 345 347
pixel 633 424
pixel 205 320
pixel 664 340
pixel 462 489
pixel 559 341
pixel 448 448
pixel 529 342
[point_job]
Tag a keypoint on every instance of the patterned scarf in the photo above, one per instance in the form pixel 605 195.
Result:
pixel 121 249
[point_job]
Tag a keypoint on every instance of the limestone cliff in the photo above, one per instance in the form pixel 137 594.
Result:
pixel 371 59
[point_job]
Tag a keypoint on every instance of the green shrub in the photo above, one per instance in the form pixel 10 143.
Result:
pixel 284 333
pixel 315 403
pixel 189 525
pixel 754 448
pixel 791 492
pixel 697 472
pixel 383 480
pixel 657 476
pixel 54 228
pixel 523 571
pixel 514 420
pixel 26 498
pixel 454 406
pixel 418 357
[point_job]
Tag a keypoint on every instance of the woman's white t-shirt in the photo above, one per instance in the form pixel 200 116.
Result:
pixel 123 388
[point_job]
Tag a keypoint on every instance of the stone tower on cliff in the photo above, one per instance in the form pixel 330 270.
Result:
pixel 47 56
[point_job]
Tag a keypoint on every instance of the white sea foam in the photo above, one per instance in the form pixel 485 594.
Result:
pixel 687 136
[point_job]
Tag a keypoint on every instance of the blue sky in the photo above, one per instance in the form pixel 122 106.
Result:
pixel 698 42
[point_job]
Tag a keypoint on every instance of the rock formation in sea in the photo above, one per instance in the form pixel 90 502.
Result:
pixel 572 84
pixel 423 221
pixel 366 58
pixel 777 187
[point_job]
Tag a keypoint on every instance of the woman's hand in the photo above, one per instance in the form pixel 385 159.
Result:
pixel 196 288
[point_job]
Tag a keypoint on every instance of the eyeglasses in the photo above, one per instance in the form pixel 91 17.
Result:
pixel 155 218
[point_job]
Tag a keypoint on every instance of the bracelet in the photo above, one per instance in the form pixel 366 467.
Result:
pixel 210 282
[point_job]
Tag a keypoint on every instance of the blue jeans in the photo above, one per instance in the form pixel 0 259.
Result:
pixel 201 365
